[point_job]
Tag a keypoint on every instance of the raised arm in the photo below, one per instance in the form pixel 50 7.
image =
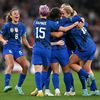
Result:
pixel 65 29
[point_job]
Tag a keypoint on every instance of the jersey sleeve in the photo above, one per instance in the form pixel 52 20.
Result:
pixel 63 21
pixel 3 30
pixel 54 26
pixel 86 25
pixel 76 18
pixel 23 30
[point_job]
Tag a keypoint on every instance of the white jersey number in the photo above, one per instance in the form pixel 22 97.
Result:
pixel 84 30
pixel 16 36
pixel 40 30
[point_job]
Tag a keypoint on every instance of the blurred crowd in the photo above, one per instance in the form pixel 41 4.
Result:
pixel 89 9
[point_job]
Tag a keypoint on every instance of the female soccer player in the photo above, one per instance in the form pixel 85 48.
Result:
pixel 10 35
pixel 85 49
pixel 70 44
pixel 42 49
pixel 59 55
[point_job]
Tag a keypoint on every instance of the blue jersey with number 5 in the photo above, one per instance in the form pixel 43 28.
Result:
pixel 13 33
pixel 42 31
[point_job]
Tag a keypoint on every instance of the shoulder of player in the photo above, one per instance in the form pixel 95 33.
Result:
pixel 21 24
pixel 51 21
pixel 6 25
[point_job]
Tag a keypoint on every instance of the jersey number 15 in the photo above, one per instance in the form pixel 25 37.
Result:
pixel 40 32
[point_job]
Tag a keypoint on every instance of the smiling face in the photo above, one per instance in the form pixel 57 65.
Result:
pixel 64 13
pixel 15 15
pixel 67 11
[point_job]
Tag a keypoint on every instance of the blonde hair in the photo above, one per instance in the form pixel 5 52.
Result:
pixel 69 9
pixel 64 5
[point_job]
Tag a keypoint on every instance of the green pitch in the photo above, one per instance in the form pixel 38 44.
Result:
pixel 29 86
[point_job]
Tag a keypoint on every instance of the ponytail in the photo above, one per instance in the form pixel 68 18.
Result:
pixel 8 18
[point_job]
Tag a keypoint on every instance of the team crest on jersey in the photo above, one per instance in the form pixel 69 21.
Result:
pixel 16 29
pixel 11 30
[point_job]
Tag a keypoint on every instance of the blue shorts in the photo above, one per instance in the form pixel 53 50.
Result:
pixel 86 55
pixel 41 56
pixel 60 56
pixel 16 51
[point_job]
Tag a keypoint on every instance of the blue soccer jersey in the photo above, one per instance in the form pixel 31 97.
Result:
pixel 42 31
pixel 42 48
pixel 83 42
pixel 13 33
pixel 54 39
pixel 68 21
pixel 59 54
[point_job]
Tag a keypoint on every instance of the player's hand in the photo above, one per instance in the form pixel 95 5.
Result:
pixel 30 47
pixel 80 25
pixel 83 19
pixel 60 42
pixel 5 42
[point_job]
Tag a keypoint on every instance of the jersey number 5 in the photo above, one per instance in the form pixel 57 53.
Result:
pixel 40 32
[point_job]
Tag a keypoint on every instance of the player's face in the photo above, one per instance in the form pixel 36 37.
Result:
pixel 65 14
pixel 15 15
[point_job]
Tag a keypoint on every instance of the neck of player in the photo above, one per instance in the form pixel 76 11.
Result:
pixel 44 17
pixel 14 22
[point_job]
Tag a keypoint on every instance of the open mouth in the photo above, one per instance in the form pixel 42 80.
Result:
pixel 16 17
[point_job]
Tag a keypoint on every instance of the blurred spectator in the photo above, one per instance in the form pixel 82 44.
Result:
pixel 29 10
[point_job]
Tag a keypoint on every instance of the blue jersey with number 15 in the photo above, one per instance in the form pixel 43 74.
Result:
pixel 42 31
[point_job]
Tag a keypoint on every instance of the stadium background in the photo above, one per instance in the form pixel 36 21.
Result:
pixel 89 9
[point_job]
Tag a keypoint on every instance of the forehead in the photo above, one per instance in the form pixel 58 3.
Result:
pixel 15 11
pixel 63 11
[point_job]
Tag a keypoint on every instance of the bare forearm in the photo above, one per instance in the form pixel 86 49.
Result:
pixel 65 29
pixel 25 42
pixel 53 43
pixel 2 39
pixel 57 34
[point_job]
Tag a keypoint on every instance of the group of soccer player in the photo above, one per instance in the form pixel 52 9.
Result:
pixel 60 37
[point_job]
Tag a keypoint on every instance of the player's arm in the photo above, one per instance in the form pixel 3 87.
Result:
pixel 64 29
pixel 3 40
pixel 24 39
pixel 57 34
pixel 60 43
pixel 2 32
pixel 61 29
pixel 76 18
pixel 25 42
